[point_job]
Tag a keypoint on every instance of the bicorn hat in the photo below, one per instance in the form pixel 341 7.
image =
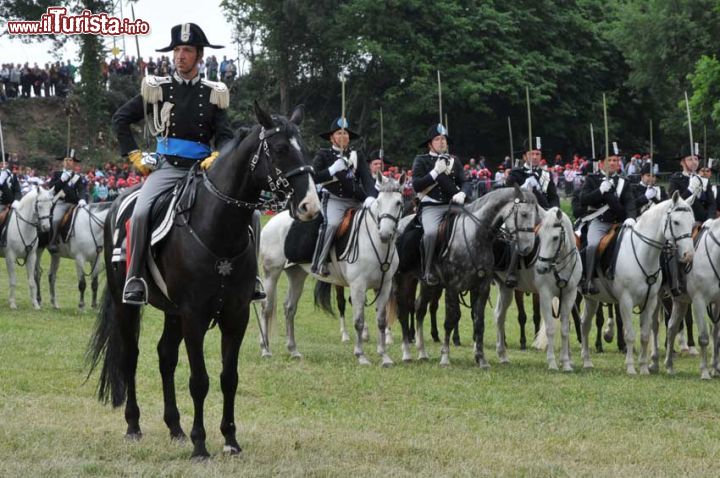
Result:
pixel 188 34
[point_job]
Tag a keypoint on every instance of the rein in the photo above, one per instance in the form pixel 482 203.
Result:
pixel 558 263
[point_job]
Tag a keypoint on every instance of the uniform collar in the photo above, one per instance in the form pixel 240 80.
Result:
pixel 337 149
pixel 183 81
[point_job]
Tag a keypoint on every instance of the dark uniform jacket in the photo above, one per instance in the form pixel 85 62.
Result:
pixel 641 201
pixel 193 118
pixel 446 186
pixel 358 184
pixel 547 197
pixel 75 187
pixel 704 206
pixel 10 191
pixel 620 208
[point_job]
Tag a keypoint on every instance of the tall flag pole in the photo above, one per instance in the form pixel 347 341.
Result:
pixel 440 106
pixel 512 148
pixel 2 146
pixel 592 148
pixel 693 151
pixel 607 136
pixel 652 150
pixel 342 114
pixel 382 136
pixel 527 100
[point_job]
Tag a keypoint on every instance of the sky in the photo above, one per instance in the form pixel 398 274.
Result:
pixel 162 15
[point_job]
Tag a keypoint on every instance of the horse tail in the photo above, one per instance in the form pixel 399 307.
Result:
pixel 540 342
pixel 323 296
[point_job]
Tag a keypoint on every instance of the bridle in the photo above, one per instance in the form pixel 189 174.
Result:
pixel 28 246
pixel 277 181
pixel 559 262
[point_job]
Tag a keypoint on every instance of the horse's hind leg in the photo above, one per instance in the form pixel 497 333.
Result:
pixel 232 336
pixel 591 306
pixel 381 315
pixel 479 298
pixel 95 281
pixel 357 293
pixel 421 307
pixel 12 278
pixel 625 314
pixel 82 285
pixel 32 284
pixel 452 316
pixel 522 317
pixel 655 325
pixel 269 308
pixel 52 279
pixel 38 276
pixel 167 349
pixel 699 308
pixel 678 312
pixel 599 322
pixel 341 302
pixel 503 302
pixel 128 317
pixel 537 316
pixel 404 294
pixel 296 279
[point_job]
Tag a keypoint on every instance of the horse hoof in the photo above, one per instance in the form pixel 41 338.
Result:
pixel 13 306
pixel 232 450
pixel 362 360
pixel 266 354
pixel 456 342
pixel 295 355
pixel 587 365
pixel 178 437
pixel 423 357
pixel 631 370
pixel 444 361
pixel 435 338
pixel 200 457
pixel 483 364
pixel 506 360
pixel 693 352
pixel 670 371
pixel 567 368
pixel 644 370
pixel 552 366
pixel 407 359
pixel 654 368
pixel 136 436
pixel 704 375
pixel 523 346
pixel 345 338
pixel 387 363
pixel 599 349
pixel 37 307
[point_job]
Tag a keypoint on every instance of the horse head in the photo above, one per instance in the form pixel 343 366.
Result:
pixel 289 171
pixel 43 208
pixel 520 220
pixel 388 206
pixel 553 236
pixel 678 227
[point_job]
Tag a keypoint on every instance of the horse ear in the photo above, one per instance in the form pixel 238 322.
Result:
pixel 675 196
pixel 402 179
pixel 263 118
pixel 558 214
pixel 298 115
pixel 518 192
pixel 379 177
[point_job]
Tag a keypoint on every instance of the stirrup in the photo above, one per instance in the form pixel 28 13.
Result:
pixel 137 296
pixel 259 293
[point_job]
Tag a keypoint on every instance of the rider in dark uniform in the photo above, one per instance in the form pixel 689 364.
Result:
pixel 706 172
pixel 346 183
pixel 187 115
pixel 693 188
pixel 73 186
pixel 532 177
pixel 604 190
pixel 646 191
pixel 437 179
pixel 10 195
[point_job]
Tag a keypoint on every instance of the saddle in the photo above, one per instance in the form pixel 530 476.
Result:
pixel 67 223
pixel 4 217
pixel 302 237
pixel 162 217
pixel 607 251
pixel 409 243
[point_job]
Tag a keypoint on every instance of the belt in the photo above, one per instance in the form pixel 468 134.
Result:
pixel 179 162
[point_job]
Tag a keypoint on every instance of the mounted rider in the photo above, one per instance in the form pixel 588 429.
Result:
pixel 706 172
pixel 187 115
pixel 646 191
pixel 532 177
pixel 346 183
pixel 609 200
pixel 10 195
pixel 70 188
pixel 692 187
pixel 438 178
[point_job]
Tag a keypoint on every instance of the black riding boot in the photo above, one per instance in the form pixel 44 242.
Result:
pixel 674 273
pixel 429 276
pixel 588 287
pixel 511 279
pixel 259 292
pixel 136 291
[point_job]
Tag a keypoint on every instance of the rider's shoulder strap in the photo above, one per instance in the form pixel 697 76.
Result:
pixel 219 93
pixel 151 88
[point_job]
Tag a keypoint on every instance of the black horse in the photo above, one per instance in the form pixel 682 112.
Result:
pixel 209 265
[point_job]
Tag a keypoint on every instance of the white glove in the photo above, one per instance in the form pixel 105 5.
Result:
pixel 459 198
pixel 369 201
pixel 149 160
pixel 4 174
pixel 337 166
pixel 450 165
pixel 440 166
pixel 650 193
pixel 15 204
pixel 65 176
pixel 353 159
pixel 606 186
pixel 82 203
pixel 531 183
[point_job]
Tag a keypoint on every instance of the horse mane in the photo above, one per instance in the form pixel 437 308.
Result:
pixel 30 195
pixel 487 207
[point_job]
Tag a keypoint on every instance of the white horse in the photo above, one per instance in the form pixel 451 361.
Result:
pixel 703 289
pixel 371 264
pixel 23 226
pixel 557 254
pixel 638 276
pixel 84 245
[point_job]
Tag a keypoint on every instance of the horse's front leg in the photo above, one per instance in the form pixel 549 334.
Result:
pixel 194 334
pixel 52 279
pixel 12 277
pixel 645 332
pixel 421 306
pixel 269 308
pixel 404 295
pixel 609 332
pixel 232 336
pixel 591 307
pixel 655 354
pixel 168 348
pixel 296 280
pixel 546 297
pixel 626 306
pixel 678 313
pixel 566 305
pixel 522 316
pixel 341 302
pixel 381 316
pixel 32 283
pixel 699 310
pixel 505 296
pixel 358 291
pixel 479 298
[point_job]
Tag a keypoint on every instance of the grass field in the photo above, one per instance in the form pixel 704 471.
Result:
pixel 326 416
